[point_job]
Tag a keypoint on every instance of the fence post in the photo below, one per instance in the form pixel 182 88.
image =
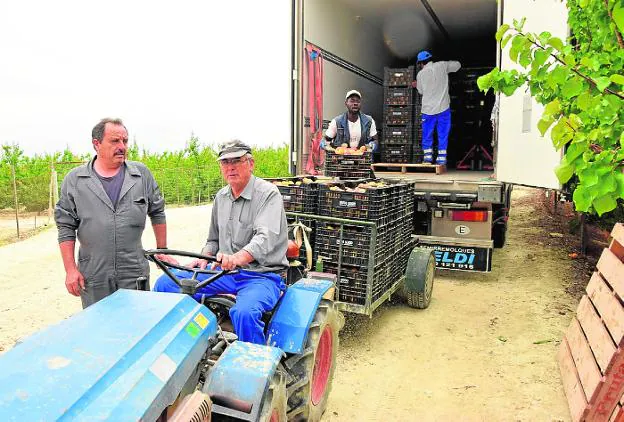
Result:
pixel 53 198
pixel 15 198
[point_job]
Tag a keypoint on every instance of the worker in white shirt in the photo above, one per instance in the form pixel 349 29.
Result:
pixel 353 128
pixel 433 84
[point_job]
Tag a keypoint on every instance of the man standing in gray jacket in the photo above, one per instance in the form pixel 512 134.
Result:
pixel 104 204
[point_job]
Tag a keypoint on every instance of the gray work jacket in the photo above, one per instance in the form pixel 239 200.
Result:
pixel 110 255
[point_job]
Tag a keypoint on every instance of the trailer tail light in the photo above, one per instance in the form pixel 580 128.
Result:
pixel 470 216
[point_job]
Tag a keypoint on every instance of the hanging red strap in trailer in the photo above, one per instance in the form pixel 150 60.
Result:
pixel 314 62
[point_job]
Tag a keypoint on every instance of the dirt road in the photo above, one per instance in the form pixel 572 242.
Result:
pixel 484 350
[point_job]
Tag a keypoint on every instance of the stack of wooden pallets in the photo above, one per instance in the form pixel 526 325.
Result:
pixel 591 355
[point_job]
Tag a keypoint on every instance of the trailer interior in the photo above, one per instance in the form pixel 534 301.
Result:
pixel 358 39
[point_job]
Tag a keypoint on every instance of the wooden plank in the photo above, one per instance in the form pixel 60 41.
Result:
pixel 409 168
pixel 586 365
pixel 609 307
pixel 612 270
pixel 618 235
pixel 618 415
pixel 610 392
pixel 571 383
pixel 597 335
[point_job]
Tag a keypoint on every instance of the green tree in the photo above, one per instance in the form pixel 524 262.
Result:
pixel 580 82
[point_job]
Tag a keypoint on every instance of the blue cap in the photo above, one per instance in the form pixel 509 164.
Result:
pixel 423 55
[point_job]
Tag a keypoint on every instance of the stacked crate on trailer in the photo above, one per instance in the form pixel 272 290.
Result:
pixel 354 165
pixel 370 254
pixel 300 195
pixel 401 117
pixel 471 129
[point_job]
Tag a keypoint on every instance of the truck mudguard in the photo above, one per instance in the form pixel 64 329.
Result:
pixel 124 358
pixel 289 326
pixel 237 382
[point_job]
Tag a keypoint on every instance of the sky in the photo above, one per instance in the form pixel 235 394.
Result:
pixel 215 69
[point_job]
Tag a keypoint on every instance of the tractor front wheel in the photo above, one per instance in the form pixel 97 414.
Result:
pixel 274 403
pixel 311 373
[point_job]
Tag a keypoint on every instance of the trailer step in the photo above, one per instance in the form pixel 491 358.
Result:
pixel 409 168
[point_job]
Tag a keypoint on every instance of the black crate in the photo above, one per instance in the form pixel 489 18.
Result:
pixel 299 196
pixel 348 166
pixel 398 115
pixel 379 204
pixel 398 96
pixel 349 174
pixel 398 76
pixel 397 150
pixel 353 282
pixel 368 205
pixel 398 134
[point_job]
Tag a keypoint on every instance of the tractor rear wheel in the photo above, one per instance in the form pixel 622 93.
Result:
pixel 311 373
pixel 274 403
pixel 419 277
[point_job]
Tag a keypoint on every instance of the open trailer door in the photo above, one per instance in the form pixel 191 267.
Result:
pixel 524 157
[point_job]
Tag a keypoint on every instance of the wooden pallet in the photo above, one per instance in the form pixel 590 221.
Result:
pixel 409 168
pixel 591 355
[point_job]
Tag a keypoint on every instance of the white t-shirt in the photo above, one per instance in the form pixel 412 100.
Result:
pixel 355 131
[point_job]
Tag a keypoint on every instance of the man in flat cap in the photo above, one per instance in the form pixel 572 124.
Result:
pixel 248 232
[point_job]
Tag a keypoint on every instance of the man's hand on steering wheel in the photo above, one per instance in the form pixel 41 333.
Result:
pixel 231 262
pixel 201 263
pixel 167 258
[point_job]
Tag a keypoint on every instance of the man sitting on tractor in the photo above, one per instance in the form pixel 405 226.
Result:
pixel 248 232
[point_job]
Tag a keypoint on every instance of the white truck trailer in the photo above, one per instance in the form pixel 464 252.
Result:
pixel 461 214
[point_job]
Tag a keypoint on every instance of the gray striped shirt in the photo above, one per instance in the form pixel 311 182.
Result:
pixel 255 222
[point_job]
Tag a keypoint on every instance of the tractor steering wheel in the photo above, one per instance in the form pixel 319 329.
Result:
pixel 191 285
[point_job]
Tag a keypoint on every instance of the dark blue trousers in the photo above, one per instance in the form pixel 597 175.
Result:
pixel 256 293
pixel 429 123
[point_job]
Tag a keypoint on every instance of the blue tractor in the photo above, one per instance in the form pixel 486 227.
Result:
pixel 141 355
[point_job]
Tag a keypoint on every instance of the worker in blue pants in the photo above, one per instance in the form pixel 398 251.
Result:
pixel 441 121
pixel 432 83
pixel 256 293
pixel 248 232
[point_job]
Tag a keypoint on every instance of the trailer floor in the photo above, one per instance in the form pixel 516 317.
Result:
pixel 484 350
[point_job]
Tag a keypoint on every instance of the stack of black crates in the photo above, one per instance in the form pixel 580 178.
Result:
pixel 300 196
pixel 470 110
pixel 401 132
pixel 347 167
pixel 391 208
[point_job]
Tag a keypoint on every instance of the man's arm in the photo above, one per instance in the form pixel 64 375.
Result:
pixel 330 133
pixel 419 86
pixel 452 66
pixel 155 205
pixel 373 135
pixel 74 281
pixel 212 242
pixel 67 221
pixel 160 233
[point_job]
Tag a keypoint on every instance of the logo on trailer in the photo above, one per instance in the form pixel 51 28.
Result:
pixel 462 230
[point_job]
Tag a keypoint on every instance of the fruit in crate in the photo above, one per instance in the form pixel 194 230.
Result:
pixel 307 180
pixel 336 188
pixel 350 151
pixel 283 182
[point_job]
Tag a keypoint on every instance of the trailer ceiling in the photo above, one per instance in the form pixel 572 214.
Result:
pixel 449 27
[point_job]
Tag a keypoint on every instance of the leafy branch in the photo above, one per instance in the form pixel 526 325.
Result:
pixel 580 83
